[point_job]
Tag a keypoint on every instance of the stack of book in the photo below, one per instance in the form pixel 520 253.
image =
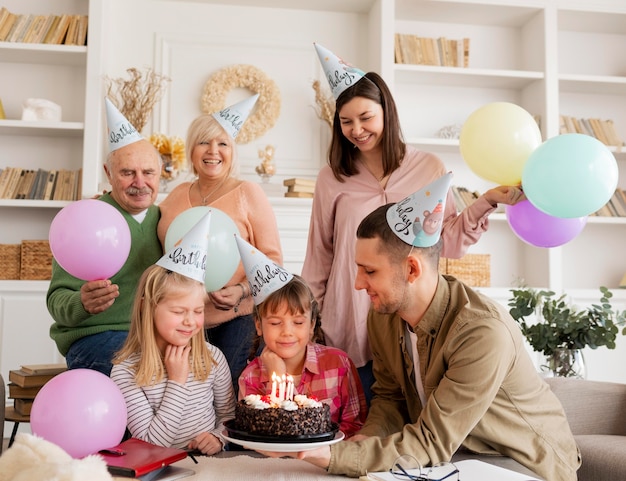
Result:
pixel 25 383
pixel 299 187
pixel 615 207
pixel 440 51
pixel 603 130
pixel 64 29
pixel 40 184
pixel 463 197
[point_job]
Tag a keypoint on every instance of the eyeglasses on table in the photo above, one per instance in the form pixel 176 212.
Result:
pixel 407 468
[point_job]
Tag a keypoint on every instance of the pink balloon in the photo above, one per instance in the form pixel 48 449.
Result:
pixel 540 229
pixel 90 239
pixel 80 410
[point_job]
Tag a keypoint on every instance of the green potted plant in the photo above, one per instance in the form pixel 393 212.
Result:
pixel 561 330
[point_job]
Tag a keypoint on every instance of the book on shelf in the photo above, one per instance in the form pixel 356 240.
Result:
pixel 298 182
pixel 58 35
pixel 34 30
pixel 50 185
pixel 603 130
pixel 24 379
pixel 19 392
pixel 301 188
pixel 12 182
pixel 299 194
pixel 23 406
pixel 52 368
pixel 6 25
pixel 442 51
pixel 51 29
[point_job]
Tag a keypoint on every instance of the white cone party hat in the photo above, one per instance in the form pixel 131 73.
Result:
pixel 188 255
pixel 232 118
pixel 339 74
pixel 418 218
pixel 264 275
pixel 121 131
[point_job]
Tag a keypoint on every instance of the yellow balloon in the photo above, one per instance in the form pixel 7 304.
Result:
pixel 497 139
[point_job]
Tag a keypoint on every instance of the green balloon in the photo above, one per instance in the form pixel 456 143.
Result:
pixel 223 255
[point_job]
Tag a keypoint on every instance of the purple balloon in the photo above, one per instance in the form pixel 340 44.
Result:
pixel 90 239
pixel 82 411
pixel 540 229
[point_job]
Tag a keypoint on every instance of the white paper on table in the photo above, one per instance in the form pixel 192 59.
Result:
pixel 470 470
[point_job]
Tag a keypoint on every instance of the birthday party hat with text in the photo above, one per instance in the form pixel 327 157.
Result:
pixel 418 218
pixel 339 74
pixel 264 275
pixel 121 132
pixel 188 255
pixel 232 118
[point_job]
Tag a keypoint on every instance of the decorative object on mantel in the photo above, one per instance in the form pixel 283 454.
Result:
pixel 561 331
pixel 254 79
pixel 137 95
pixel 266 168
pixel 449 131
pixel 172 150
pixel 299 187
pixel 325 109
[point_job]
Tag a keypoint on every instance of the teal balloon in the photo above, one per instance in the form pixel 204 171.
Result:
pixel 571 175
pixel 223 254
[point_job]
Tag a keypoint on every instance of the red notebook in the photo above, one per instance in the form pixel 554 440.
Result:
pixel 134 458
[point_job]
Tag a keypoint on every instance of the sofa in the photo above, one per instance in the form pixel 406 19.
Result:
pixel 596 412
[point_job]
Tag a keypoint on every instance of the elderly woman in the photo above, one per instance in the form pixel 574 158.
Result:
pixel 211 150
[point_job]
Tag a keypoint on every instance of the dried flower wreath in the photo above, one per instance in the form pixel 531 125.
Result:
pixel 136 96
pixel 267 108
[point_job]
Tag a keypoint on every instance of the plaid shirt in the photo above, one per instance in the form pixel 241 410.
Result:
pixel 328 375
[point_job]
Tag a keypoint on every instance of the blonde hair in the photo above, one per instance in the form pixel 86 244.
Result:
pixel 203 129
pixel 155 285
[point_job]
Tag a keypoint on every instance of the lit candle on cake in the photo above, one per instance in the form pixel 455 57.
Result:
pixel 289 387
pixel 281 388
pixel 273 397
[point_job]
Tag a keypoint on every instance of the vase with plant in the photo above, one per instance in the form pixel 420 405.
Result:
pixel 561 331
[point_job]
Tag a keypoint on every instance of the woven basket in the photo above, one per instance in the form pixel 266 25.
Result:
pixel 10 261
pixel 36 260
pixel 472 269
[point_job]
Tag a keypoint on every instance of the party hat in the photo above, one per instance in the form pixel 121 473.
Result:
pixel 340 74
pixel 188 255
pixel 121 131
pixel 418 218
pixel 232 118
pixel 263 274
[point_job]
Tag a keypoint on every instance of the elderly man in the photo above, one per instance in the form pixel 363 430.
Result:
pixel 91 319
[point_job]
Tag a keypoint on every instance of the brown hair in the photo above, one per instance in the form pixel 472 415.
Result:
pixel 342 153
pixel 155 285
pixel 375 226
pixel 298 298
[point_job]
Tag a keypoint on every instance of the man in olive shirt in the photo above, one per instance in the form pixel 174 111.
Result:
pixel 450 364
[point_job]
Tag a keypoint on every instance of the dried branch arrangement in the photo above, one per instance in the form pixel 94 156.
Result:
pixel 136 96
pixel 325 104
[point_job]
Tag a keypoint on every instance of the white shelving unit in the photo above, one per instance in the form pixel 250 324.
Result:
pixel 549 57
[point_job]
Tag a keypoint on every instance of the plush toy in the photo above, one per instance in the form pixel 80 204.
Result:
pixel 32 458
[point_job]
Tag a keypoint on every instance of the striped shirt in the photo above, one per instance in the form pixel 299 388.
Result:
pixel 172 414
pixel 328 375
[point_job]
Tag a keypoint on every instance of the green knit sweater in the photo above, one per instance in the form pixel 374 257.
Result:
pixel 71 321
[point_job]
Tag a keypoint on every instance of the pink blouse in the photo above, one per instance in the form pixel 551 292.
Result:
pixel 338 208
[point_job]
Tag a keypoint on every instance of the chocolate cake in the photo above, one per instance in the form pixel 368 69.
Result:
pixel 258 415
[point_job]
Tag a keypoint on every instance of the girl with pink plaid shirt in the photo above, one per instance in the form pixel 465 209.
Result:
pixel 288 323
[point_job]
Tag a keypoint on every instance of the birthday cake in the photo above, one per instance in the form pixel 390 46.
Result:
pixel 261 415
